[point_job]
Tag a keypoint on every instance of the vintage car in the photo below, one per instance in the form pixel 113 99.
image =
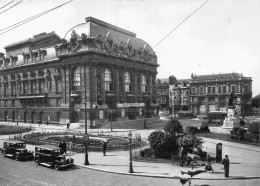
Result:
pixel 17 150
pixel 51 156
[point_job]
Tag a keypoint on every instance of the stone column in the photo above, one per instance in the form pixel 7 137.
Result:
pixel 123 84
pixel 102 84
pixel 82 83
pixel 63 84
pixel 116 80
pixel 87 83
pixel 135 87
pixel 93 84
pixel 68 76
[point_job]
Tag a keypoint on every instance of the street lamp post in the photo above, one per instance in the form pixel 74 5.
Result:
pixel 86 151
pixel 130 153
pixel 145 112
pixel 86 122
pixel 17 114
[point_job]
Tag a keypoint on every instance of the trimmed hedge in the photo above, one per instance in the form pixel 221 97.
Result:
pixel 253 128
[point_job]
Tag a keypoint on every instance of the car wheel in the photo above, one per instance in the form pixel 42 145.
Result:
pixel 57 167
pixel 16 158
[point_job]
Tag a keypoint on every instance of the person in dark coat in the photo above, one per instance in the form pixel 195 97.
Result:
pixel 104 148
pixel 64 145
pixel 225 162
pixel 61 146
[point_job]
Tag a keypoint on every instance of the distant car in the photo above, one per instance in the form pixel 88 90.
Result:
pixel 186 115
pixel 17 150
pixel 192 130
pixel 51 156
pixel 204 128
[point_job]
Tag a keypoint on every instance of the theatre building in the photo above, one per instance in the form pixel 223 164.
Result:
pixel 98 72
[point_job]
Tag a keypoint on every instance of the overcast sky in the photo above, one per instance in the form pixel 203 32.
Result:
pixel 221 37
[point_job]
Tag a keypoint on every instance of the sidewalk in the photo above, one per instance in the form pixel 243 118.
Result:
pixel 118 162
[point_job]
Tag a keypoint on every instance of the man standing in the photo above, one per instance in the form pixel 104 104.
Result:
pixel 104 148
pixel 225 162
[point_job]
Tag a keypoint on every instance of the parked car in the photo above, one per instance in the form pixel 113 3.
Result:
pixel 51 156
pixel 17 150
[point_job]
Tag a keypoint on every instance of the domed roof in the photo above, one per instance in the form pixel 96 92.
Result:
pixel 94 28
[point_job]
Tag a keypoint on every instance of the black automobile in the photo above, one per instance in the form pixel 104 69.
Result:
pixel 192 130
pixel 51 156
pixel 204 128
pixel 17 150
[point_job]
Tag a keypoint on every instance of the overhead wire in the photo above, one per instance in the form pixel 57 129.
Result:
pixel 6 4
pixel 180 24
pixel 18 24
pixel 11 7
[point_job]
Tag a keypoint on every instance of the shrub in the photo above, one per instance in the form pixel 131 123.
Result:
pixel 148 152
pixel 250 137
pixel 162 144
pixel 253 128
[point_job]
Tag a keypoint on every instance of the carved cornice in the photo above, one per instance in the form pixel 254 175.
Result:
pixel 106 44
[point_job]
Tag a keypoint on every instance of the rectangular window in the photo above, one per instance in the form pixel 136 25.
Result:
pixel 5 89
pixel 233 88
pixel 13 103
pixel 213 90
pixel 107 86
pixel 219 89
pixel 127 88
pixel 224 89
pixel 209 90
pixel 246 88
pixel 163 100
pixel 143 88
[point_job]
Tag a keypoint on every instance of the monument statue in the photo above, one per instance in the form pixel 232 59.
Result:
pixel 231 98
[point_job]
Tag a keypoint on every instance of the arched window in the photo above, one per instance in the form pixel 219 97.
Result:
pixel 143 83
pixel 76 79
pixel 127 82
pixel 108 80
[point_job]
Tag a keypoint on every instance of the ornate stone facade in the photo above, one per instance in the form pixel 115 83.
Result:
pixel 103 68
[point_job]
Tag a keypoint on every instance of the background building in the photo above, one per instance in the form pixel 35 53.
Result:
pixel 97 66
pixel 211 92
pixel 180 95
pixel 163 93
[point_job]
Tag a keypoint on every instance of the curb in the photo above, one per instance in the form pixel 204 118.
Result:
pixel 168 177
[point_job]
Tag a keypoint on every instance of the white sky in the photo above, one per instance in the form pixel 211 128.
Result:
pixel 222 37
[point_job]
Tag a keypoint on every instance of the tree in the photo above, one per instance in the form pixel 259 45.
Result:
pixel 189 143
pixel 172 127
pixel 172 80
pixel 256 101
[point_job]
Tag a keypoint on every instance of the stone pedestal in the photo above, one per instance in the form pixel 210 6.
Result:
pixel 232 119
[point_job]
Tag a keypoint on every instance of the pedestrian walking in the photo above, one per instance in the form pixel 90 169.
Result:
pixel 208 166
pixel 61 146
pixel 104 148
pixel 47 123
pixel 68 125
pixel 39 122
pixel 225 162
